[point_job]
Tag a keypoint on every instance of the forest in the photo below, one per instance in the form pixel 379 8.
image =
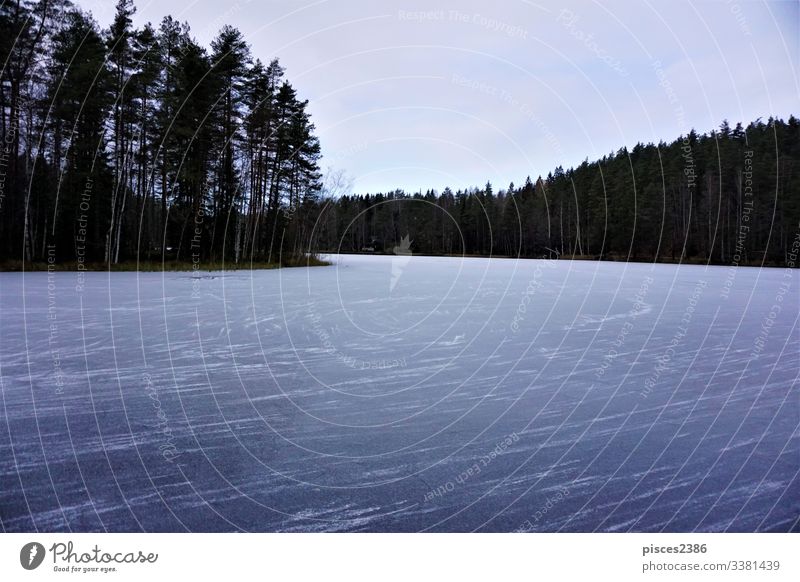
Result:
pixel 730 196
pixel 125 144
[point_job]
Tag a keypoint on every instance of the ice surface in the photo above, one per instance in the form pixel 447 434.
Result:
pixel 399 393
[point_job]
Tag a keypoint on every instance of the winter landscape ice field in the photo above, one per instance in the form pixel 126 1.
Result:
pixel 400 393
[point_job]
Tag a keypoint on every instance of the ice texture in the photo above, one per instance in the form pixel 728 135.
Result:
pixel 402 393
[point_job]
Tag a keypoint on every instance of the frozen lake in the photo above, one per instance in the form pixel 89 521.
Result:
pixel 402 394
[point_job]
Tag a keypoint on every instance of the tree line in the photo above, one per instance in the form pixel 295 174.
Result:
pixel 730 196
pixel 130 143
pixel 125 144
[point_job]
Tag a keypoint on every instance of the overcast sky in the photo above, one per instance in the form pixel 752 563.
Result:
pixel 430 94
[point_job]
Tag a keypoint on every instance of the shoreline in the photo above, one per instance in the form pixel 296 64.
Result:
pixel 156 266
pixel 587 258
pixel 183 266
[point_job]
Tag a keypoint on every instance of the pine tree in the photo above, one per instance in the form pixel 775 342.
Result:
pixel 121 62
pixel 80 94
pixel 229 61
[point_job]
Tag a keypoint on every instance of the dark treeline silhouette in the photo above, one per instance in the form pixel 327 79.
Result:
pixel 731 196
pixel 126 143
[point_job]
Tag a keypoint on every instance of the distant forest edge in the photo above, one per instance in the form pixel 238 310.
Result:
pixel 124 145
pixel 731 196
